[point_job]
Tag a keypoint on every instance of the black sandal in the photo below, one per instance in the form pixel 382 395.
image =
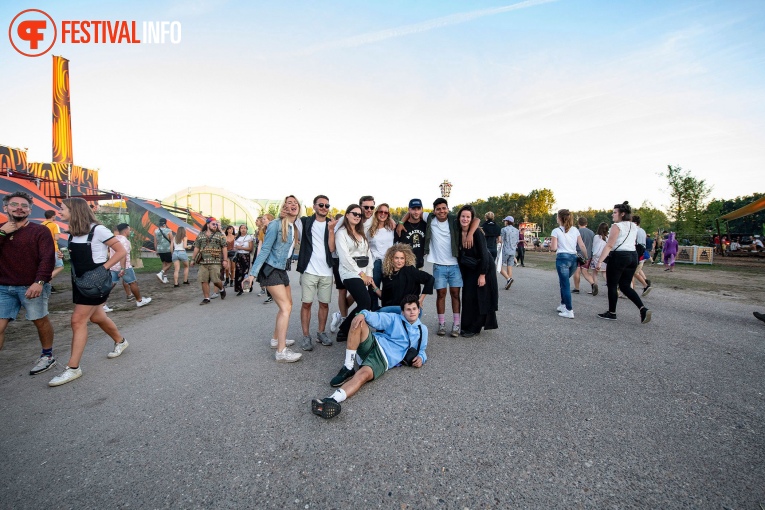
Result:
pixel 326 408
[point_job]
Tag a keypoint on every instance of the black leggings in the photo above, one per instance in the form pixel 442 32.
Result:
pixel 360 294
pixel 620 269
pixel 521 252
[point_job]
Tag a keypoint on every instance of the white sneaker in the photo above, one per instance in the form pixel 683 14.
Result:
pixel 561 308
pixel 566 314
pixel 118 349
pixel 107 309
pixel 164 280
pixel 214 295
pixel 69 375
pixel 143 302
pixel 161 277
pixel 337 319
pixel 275 343
pixel 287 356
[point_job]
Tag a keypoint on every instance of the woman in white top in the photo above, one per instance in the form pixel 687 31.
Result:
pixel 180 256
pixel 85 258
pixel 564 240
pixel 355 265
pixel 243 248
pixel 598 243
pixel 622 262
pixel 380 239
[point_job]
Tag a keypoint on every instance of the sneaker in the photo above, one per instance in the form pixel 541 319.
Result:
pixel 53 290
pixel 441 330
pixel 269 300
pixel 660 263
pixel 214 295
pixel 263 293
pixel 607 316
pixel 223 293
pixel 164 280
pixel 287 356
pixel 645 315
pixel 594 289
pixel 118 349
pixel 508 283
pixel 759 316
pixel 107 309
pixel 561 308
pixel 337 319
pixel 275 343
pixel 647 282
pixel 161 277
pixel 456 330
pixel 68 375
pixel 143 302
pixel 205 301
pixel 176 285
pixel 324 338
pixel 575 291
pixel 130 298
pixel 43 364
pixel 306 343
pixel 326 408
pixel 342 377
pixel 646 290
pixel 341 337
pixel 566 314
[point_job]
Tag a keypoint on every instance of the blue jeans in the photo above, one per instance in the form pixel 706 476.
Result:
pixel 565 264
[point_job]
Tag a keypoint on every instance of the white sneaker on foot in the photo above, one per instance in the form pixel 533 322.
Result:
pixel 214 295
pixel 566 314
pixel 118 349
pixel 561 308
pixel 275 343
pixel 161 277
pixel 107 309
pixel 69 375
pixel 143 302
pixel 337 319
pixel 287 356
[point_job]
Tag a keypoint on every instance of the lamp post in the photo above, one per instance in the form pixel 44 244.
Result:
pixel 446 188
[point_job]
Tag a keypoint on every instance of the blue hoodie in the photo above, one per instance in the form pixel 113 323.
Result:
pixel 395 335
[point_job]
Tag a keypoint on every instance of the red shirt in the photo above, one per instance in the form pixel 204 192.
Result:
pixel 28 257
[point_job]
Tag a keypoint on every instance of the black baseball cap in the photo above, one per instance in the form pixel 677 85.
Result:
pixel 414 203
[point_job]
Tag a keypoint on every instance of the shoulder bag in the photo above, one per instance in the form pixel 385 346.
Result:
pixel 96 283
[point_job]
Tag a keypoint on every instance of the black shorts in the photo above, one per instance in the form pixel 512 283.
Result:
pixel 166 257
pixel 336 271
pixel 277 277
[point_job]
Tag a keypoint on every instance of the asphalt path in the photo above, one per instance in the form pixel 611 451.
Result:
pixel 543 413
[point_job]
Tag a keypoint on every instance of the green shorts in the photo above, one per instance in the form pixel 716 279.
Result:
pixel 372 356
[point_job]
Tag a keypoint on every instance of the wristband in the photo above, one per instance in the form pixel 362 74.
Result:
pixel 3 233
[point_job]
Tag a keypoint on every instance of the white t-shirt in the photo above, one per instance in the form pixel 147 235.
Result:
pixel 126 244
pixel 380 243
pixel 597 246
pixel 317 265
pixel 240 243
pixel 441 243
pixel 627 236
pixel 566 240
pixel 97 247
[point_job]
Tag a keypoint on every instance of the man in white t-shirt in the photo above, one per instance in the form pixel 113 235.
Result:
pixel 123 269
pixel 315 267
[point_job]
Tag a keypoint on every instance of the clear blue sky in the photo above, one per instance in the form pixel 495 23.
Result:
pixel 591 99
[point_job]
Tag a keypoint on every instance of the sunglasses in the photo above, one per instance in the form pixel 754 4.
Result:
pixel 23 205
pixel 213 224
pixel 323 206
pixel 382 212
pixel 355 214
pixel 368 207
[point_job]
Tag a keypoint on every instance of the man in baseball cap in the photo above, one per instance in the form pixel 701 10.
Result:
pixel 412 231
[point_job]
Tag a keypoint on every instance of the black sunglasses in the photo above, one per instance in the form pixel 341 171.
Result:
pixel 323 206
pixel 368 207
pixel 355 214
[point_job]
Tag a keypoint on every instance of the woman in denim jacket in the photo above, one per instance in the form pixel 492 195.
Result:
pixel 270 270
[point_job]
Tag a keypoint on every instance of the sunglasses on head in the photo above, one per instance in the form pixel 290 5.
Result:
pixel 368 207
pixel 355 214
pixel 323 206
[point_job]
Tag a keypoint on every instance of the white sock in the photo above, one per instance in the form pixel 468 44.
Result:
pixel 350 356
pixel 338 396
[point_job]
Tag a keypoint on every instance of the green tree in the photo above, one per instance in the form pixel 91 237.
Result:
pixel 652 220
pixel 539 206
pixel 688 197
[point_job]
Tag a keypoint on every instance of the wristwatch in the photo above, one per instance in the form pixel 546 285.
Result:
pixel 41 283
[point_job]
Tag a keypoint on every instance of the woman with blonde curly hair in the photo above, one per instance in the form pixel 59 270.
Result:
pixel 401 278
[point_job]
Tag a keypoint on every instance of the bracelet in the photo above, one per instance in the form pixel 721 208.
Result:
pixel 3 233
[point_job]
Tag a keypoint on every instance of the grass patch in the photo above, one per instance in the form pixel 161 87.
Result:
pixel 149 266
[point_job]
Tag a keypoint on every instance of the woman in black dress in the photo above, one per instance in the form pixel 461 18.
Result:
pixel 479 281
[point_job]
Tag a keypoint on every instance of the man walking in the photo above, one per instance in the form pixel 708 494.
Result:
pixel 641 241
pixel 162 236
pixel 123 269
pixel 583 268
pixel 509 237
pixel 211 246
pixel 315 267
pixel 26 265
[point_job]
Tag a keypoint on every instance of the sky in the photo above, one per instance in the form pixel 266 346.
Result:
pixel 591 99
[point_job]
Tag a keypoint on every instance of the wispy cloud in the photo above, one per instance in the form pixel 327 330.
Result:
pixel 445 21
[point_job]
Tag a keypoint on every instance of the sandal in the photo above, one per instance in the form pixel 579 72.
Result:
pixel 326 408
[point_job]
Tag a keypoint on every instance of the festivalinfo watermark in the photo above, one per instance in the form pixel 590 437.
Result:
pixel 33 32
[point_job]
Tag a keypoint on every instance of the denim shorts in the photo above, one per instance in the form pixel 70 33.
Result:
pixel 447 276
pixel 181 255
pixel 12 299
pixel 127 277
pixel 59 262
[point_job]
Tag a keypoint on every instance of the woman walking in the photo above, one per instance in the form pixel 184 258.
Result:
pixel 243 247
pixel 230 233
pixel 269 268
pixel 380 239
pixel 670 252
pixel 355 266
pixel 564 241
pixel 598 243
pixel 622 262
pixel 89 244
pixel 480 294
pixel 180 256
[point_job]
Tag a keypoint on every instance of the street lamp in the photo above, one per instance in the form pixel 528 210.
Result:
pixel 446 188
